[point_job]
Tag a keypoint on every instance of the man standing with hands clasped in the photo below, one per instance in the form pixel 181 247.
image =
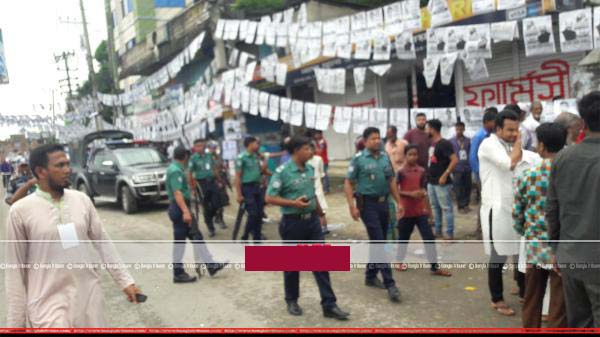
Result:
pixel 371 176
pixel 292 187
pixel 58 225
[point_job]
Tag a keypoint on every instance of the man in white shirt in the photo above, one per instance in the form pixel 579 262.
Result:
pixel 531 123
pixel 499 155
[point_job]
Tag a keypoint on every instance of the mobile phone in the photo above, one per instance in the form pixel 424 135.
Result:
pixel 140 298
pixel 305 199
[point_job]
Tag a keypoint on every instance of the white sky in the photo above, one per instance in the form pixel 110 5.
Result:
pixel 32 34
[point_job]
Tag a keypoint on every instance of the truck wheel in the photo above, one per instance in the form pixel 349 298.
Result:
pixel 128 201
pixel 82 187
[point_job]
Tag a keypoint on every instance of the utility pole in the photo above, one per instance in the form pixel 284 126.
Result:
pixel 92 74
pixel 65 58
pixel 112 60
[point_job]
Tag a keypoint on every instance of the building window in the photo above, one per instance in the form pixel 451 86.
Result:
pixel 127 6
pixel 169 3
pixel 130 44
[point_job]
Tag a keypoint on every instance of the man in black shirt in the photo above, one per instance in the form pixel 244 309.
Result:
pixel 442 161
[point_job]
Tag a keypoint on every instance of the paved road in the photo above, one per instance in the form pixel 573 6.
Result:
pixel 244 299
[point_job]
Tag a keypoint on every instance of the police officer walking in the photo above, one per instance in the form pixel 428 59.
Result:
pixel 247 184
pixel 203 172
pixel 371 176
pixel 292 187
pixel 185 226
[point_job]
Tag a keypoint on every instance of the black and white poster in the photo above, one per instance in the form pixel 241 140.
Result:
pixel 263 103
pixel 399 119
pixel 504 31
pixel 456 39
pixel 483 6
pixel 363 50
pixel 323 117
pixel 360 119
pixel 359 79
pixel 3 67
pixel 440 13
pixel 576 30
pixel 358 23
pixel 250 32
pixel 310 115
pixel 477 69
pixel 447 67
pixel 232 129
pixel 254 102
pixel 297 113
pixel 430 67
pixel 285 107
pixel 597 27
pixel 448 118
pixel 436 42
pixel 479 44
pixel 509 4
pixel 411 15
pixel 393 19
pixel 378 117
pixel 381 69
pixel 473 118
pixel 342 119
pixel 381 46
pixel 273 108
pixel 538 35
pixel 405 46
pixel 375 18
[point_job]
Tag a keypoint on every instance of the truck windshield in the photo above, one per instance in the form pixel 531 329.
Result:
pixel 138 156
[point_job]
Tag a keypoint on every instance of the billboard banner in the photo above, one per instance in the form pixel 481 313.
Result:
pixel 3 68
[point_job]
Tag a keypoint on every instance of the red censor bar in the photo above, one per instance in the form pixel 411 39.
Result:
pixel 298 258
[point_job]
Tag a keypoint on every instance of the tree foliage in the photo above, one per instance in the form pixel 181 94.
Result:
pixel 103 79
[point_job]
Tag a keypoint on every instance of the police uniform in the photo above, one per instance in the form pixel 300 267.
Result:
pixel 177 181
pixel 289 182
pixel 202 167
pixel 248 165
pixel 371 176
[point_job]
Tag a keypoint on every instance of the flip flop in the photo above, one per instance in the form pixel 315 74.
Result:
pixel 503 309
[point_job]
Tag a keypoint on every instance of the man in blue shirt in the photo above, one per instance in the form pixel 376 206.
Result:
pixel 489 125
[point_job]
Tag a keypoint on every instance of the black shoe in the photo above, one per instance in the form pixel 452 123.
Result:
pixel 215 267
pixel 199 272
pixel 394 294
pixel 223 225
pixel 335 312
pixel 326 231
pixel 294 309
pixel 184 278
pixel 375 283
pixel 211 234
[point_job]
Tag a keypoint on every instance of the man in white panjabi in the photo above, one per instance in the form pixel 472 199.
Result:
pixel 499 155
pixel 60 226
pixel 317 163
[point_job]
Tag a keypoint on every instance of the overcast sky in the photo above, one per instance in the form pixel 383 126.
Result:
pixel 33 34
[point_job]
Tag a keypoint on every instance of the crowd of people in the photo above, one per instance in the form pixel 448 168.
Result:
pixel 537 184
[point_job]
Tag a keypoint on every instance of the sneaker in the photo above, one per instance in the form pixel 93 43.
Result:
pixel 211 234
pixel 294 309
pixel 199 271
pixel 394 294
pixel 326 231
pixel 184 278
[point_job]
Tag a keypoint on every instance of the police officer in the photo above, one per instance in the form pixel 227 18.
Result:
pixel 370 179
pixel 184 225
pixel 203 172
pixel 292 187
pixel 247 184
